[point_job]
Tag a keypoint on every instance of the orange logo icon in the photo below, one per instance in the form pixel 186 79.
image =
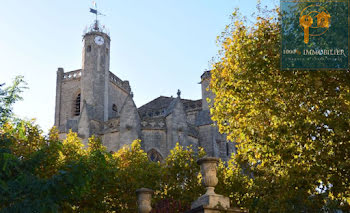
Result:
pixel 306 21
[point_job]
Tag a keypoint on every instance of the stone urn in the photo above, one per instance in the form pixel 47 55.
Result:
pixel 208 169
pixel 210 199
pixel 144 197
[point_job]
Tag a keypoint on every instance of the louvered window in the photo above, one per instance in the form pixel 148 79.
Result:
pixel 77 105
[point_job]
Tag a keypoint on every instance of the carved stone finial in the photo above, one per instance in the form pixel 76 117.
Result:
pixel 178 93
pixel 208 169
pixel 210 198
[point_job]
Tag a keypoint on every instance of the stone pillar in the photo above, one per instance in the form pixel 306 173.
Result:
pixel 144 197
pixel 211 202
pixel 59 79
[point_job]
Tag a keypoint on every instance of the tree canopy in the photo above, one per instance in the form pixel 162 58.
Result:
pixel 8 96
pixel 291 128
pixel 40 173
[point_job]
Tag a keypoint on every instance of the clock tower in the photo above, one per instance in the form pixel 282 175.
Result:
pixel 95 72
pixel 94 101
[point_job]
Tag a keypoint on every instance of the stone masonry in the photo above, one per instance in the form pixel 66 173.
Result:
pixel 94 101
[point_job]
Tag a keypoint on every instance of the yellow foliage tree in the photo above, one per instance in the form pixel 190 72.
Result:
pixel 291 127
pixel 72 147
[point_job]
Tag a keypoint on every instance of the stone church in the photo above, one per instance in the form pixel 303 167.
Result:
pixel 94 101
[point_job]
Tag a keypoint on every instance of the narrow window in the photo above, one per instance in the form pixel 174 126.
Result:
pixel 114 108
pixel 77 105
pixel 88 49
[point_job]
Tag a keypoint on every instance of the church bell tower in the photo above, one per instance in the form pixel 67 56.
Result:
pixel 94 101
pixel 95 71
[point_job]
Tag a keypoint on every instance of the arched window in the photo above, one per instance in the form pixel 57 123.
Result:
pixel 154 156
pixel 77 105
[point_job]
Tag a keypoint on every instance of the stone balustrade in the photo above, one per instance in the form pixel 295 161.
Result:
pixel 76 74
pixel 71 75
pixel 121 84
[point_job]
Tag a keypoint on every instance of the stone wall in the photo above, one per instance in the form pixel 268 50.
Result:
pixel 70 88
pixel 193 141
pixel 154 139
pixel 214 143
pixel 177 128
pixel 206 139
pixel 130 127
pixel 116 96
pixel 112 141
pixel 191 117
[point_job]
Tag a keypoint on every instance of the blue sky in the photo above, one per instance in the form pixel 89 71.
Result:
pixel 158 45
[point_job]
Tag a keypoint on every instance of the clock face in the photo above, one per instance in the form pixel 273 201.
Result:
pixel 99 40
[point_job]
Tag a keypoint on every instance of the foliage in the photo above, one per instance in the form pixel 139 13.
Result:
pixel 234 185
pixel 181 180
pixel 22 188
pixel 9 96
pixel 43 174
pixel 134 171
pixel 291 128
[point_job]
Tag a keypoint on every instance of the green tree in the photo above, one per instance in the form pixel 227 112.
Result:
pixel 181 179
pixel 33 181
pixel 291 127
pixel 40 173
pixel 233 184
pixel 8 96
pixel 134 171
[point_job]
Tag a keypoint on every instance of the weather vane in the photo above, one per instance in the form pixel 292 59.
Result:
pixel 97 13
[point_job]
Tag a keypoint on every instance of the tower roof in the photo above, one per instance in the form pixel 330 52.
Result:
pixel 205 75
pixel 160 105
